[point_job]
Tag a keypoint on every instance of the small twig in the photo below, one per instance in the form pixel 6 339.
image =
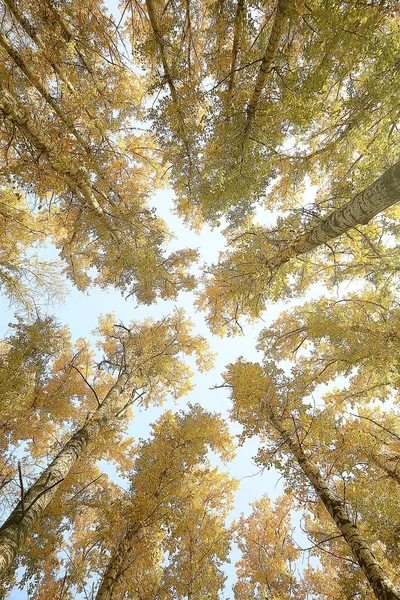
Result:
pixel 392 433
pixel 84 487
pixel 87 383
pixel 333 537
pixel 21 484
pixel 45 492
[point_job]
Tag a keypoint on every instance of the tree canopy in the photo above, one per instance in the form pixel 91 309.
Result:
pixel 275 124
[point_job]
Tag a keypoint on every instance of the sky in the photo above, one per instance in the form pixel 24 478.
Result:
pixel 80 311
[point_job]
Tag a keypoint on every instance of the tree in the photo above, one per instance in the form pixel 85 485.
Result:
pixel 171 476
pixel 168 41
pixel 68 139
pixel 140 363
pixel 253 78
pixel 239 104
pixel 200 541
pixel 342 576
pixel 174 495
pixel 264 265
pixel 268 404
pixel 34 358
pixel 267 567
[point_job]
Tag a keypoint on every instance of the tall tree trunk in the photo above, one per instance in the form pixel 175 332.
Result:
pixel 169 79
pixel 266 63
pixel 76 179
pixel 117 565
pixel 32 506
pixel 381 194
pixel 380 583
pixel 237 33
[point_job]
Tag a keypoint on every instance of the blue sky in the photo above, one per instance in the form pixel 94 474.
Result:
pixel 80 311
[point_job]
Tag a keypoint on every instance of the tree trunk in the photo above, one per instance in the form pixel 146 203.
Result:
pixel 266 64
pixel 235 51
pixel 381 585
pixel 169 79
pixel 381 194
pixel 76 178
pixel 32 506
pixel 117 565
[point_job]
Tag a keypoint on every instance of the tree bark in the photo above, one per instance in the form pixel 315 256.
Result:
pixel 266 64
pixel 76 178
pixel 30 509
pixel 117 565
pixel 380 583
pixel 235 50
pixel 381 194
pixel 169 79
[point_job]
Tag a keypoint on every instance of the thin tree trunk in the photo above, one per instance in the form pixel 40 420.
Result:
pixel 121 559
pixel 76 179
pixel 235 50
pixel 380 583
pixel 381 194
pixel 35 37
pixel 161 48
pixel 169 79
pixel 30 509
pixel 266 64
pixel 117 565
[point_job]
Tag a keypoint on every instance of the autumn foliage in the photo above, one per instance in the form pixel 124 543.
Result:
pixel 276 124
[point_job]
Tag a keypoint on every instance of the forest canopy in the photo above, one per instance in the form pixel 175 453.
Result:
pixel 274 127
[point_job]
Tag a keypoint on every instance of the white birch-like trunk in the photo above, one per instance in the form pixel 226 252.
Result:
pixel 76 178
pixel 151 10
pixel 267 61
pixel 381 194
pixel 380 583
pixel 21 522
pixel 117 565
